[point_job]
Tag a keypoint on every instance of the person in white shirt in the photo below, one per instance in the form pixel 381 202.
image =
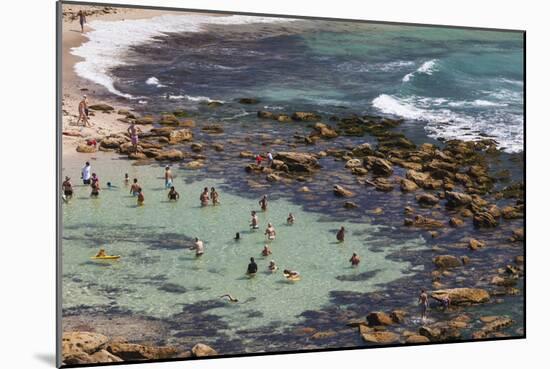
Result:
pixel 199 247
pixel 87 174
pixel 269 159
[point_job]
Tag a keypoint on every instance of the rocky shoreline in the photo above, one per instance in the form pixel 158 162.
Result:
pixel 458 199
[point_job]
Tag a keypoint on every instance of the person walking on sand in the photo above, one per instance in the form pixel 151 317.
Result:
pixel 355 260
pixel 133 131
pixel 86 174
pixel 270 232
pixel 199 247
pixel 173 195
pixel 423 302
pixel 135 188
pixel 67 188
pixel 81 20
pixel 263 203
pixel 204 197
pixel 168 177
pixel 215 196
pixel 254 220
pixel 341 234
pixel 83 112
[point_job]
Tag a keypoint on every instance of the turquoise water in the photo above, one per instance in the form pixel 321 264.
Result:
pixel 157 274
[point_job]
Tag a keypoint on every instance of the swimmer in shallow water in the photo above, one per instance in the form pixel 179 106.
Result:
pixel 231 298
pixel 341 234
pixel 204 197
pixel 290 219
pixel 199 247
pixel 270 232
pixel 291 274
pixel 355 260
pixel 67 188
pixel 140 198
pixel 237 236
pixel 126 179
pixel 252 267
pixel 272 267
pixel 168 177
pixel 215 196
pixel 266 251
pixel 254 220
pixel 173 195
pixel 135 188
pixel 263 203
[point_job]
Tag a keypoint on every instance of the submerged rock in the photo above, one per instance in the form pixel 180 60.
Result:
pixel 447 261
pixel 379 318
pixel 342 192
pixel 306 116
pixel 462 296
pixel 202 350
pixel 132 351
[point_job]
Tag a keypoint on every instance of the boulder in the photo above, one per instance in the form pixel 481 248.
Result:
pixel 382 184
pixel 169 119
pixel 325 131
pixel 485 219
pixel 298 161
pixel 518 235
pixel 248 100
pixel 419 178
pixel 180 135
pixel 380 166
pixel 196 147
pixel 111 142
pixel 170 155
pixel 447 261
pixel 362 150
pixel 272 177
pixel 378 318
pixel 305 116
pixel 427 199
pixel 193 165
pixel 86 149
pixel 474 244
pixel 398 316
pixel 104 356
pixel 462 296
pixel 144 120
pixel 101 107
pixel 246 154
pixel 266 114
pixel 217 147
pixel 213 128
pixel 87 342
pixel 456 222
pixel 380 337
pixel 457 199
pixel 187 123
pixel 342 192
pixel 359 171
pixel 416 338
pixel 439 333
pixel 304 189
pixel 132 351
pixel 202 350
pixel 353 163
pixel 408 185
pixel 423 222
pixel 350 205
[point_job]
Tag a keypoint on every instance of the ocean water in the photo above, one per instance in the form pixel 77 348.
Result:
pixel 452 83
pixel 158 274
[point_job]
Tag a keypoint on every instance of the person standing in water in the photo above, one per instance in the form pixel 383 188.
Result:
pixel 140 197
pixel 341 234
pixel 237 236
pixel 204 197
pixel 199 247
pixel 135 188
pixel 254 220
pixel 423 302
pixel 263 203
pixel 67 188
pixel 290 219
pixel 272 267
pixel 81 20
pixel 133 131
pixel 252 267
pixel 266 251
pixel 173 195
pixel 126 179
pixel 95 188
pixel 168 178
pixel 86 174
pixel 83 112
pixel 355 260
pixel 270 232
pixel 215 196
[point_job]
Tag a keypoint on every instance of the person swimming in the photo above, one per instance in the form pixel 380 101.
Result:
pixel 237 236
pixel 341 234
pixel 252 267
pixel 272 267
pixel 204 197
pixel 110 185
pixel 355 260
pixel 135 188
pixel 140 198
pixel 126 179
pixel 231 298
pixel 168 177
pixel 291 274
pixel 67 188
pixel 173 195
pixel 101 253
pixel 214 196
pixel 254 220
pixel 290 219
pixel 266 251
pixel 263 203
pixel 270 232
pixel 199 247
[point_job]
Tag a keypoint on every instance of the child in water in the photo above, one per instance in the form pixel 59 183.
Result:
pixel 266 251
pixel 272 267
pixel 140 198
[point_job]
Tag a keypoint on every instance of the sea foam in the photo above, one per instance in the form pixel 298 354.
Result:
pixel 109 41
pixel 427 67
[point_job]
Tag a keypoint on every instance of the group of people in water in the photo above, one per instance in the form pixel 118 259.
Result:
pixel 90 178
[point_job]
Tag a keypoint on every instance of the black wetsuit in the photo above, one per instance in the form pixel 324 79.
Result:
pixel 252 268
